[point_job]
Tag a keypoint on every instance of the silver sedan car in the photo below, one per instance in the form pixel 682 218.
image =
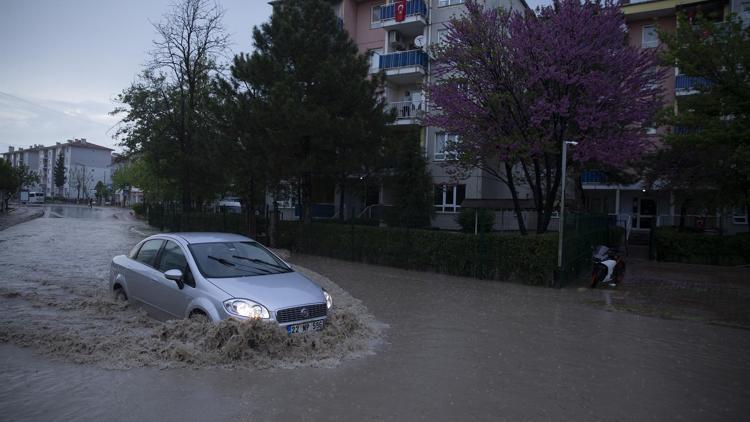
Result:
pixel 214 276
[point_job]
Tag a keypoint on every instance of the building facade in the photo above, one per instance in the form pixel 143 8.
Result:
pixel 638 207
pixel 400 49
pixel 86 164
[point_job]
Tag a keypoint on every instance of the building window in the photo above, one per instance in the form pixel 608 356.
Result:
pixel 650 38
pixel 445 146
pixel 650 131
pixel 449 2
pixel 745 12
pixel 740 215
pixel 375 21
pixel 448 198
pixel 374 55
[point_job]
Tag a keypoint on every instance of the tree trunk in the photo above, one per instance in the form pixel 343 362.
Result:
pixel 552 186
pixel 253 221
pixel 342 186
pixel 308 199
pixel 683 211
pixel 273 224
pixel 514 194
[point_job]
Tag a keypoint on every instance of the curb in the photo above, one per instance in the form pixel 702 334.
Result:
pixel 26 219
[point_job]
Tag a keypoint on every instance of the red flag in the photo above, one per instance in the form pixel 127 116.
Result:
pixel 400 10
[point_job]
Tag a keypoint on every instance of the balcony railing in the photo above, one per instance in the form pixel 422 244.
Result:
pixel 690 83
pixel 407 109
pixel 403 59
pixel 413 8
pixel 593 177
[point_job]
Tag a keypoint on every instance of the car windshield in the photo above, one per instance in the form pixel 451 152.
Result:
pixel 235 259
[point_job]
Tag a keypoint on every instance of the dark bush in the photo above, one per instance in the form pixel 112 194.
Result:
pixel 528 259
pixel 485 220
pixel 695 248
pixel 139 209
pixel 616 236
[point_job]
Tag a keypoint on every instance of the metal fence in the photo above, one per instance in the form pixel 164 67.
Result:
pixel 581 233
pixel 170 218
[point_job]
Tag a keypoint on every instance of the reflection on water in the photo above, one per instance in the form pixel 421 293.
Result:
pixel 62 211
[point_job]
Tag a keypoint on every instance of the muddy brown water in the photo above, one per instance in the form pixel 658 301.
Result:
pixel 455 349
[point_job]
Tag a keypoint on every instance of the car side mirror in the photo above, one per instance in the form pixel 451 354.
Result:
pixel 176 276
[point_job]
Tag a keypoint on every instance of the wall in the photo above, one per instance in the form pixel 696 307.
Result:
pixel 635 34
pixel 365 37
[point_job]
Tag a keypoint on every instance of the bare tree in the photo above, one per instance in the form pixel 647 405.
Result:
pixel 81 179
pixel 167 110
pixel 191 39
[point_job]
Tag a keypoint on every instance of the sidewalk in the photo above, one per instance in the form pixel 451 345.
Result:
pixel 18 214
pixel 710 294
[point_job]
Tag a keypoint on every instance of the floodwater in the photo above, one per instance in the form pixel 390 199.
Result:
pixel 455 349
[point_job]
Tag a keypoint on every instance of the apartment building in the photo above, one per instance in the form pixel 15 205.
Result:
pixel 637 206
pixel 400 49
pixel 85 165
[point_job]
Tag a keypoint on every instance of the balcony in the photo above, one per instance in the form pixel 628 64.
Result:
pixel 404 67
pixel 413 23
pixel 593 177
pixel 686 85
pixel 407 112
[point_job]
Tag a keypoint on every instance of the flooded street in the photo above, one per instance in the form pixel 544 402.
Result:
pixel 454 349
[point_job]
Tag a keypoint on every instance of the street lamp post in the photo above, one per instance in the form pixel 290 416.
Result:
pixel 562 203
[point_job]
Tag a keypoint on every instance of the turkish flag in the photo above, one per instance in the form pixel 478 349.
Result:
pixel 400 10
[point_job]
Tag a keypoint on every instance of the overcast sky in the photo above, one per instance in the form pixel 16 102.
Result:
pixel 62 62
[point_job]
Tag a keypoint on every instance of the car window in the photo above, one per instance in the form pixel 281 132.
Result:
pixel 172 258
pixel 235 259
pixel 147 253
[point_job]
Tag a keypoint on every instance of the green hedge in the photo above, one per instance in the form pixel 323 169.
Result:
pixel 695 248
pixel 527 259
pixel 616 236
pixel 139 209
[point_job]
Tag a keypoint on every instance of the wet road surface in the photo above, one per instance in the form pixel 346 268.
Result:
pixel 456 349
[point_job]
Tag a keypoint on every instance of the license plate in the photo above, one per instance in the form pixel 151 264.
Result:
pixel 305 327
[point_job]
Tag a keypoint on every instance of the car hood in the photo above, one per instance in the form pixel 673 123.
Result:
pixel 274 291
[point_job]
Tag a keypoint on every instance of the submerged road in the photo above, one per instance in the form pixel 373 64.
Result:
pixel 455 349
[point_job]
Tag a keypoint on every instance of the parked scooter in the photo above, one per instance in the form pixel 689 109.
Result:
pixel 608 267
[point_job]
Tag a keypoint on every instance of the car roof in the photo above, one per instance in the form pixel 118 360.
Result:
pixel 209 237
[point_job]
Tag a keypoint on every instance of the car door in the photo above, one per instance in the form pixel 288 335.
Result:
pixel 165 293
pixel 142 270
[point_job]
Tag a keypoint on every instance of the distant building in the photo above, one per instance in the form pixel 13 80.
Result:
pixel 86 164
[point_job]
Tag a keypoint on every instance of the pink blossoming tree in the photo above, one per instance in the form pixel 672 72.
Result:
pixel 515 86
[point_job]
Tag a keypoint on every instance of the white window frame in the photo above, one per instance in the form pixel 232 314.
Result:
pixel 444 3
pixel 449 191
pixel 372 53
pixel 442 154
pixel 650 43
pixel 376 23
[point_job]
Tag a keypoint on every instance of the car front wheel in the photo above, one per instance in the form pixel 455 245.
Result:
pixel 197 316
pixel 120 295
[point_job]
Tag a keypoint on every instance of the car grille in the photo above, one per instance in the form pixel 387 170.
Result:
pixel 296 314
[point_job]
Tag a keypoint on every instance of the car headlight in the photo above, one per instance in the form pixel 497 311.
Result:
pixel 246 308
pixel 329 299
